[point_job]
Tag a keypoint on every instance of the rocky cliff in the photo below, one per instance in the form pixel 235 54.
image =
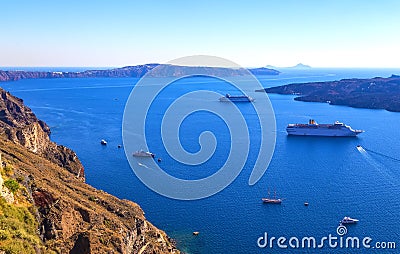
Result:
pixel 71 216
pixel 19 124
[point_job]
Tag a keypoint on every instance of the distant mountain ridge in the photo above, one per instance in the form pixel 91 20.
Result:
pixel 136 71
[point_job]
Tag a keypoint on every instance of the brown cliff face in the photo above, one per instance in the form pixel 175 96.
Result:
pixel 19 124
pixel 72 217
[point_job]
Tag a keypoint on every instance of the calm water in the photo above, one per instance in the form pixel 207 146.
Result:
pixel 330 173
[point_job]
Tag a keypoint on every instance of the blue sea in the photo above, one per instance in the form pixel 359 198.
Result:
pixel 330 173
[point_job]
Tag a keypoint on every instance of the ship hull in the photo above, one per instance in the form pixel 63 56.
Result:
pixel 271 201
pixel 233 99
pixel 337 129
pixel 322 133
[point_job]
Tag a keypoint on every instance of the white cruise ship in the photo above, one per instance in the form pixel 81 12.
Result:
pixel 336 129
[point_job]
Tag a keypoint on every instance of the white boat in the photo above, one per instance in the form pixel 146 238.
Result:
pixel 103 142
pixel 236 98
pixel 336 129
pixel 348 220
pixel 142 153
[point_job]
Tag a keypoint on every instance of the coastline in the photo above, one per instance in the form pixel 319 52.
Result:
pixel 374 93
pixel 71 216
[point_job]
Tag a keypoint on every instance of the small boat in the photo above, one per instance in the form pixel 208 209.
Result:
pixel 236 98
pixel 306 203
pixel 273 200
pixel 196 233
pixel 142 153
pixel 103 142
pixel 348 220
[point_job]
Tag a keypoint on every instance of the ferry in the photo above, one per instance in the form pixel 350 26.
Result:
pixel 142 153
pixel 236 98
pixel 336 129
pixel 348 220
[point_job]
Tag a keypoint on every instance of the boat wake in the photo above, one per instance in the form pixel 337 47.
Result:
pixel 385 172
pixel 381 154
pixel 142 165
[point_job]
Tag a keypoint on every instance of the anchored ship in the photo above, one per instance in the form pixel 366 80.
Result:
pixel 273 200
pixel 336 129
pixel 234 98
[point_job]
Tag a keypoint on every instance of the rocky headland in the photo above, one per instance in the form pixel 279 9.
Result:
pixel 374 93
pixel 45 205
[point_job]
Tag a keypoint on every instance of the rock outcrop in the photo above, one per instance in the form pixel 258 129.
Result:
pixel 19 124
pixel 5 192
pixel 72 216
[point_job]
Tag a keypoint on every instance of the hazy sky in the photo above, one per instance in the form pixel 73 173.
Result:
pixel 251 33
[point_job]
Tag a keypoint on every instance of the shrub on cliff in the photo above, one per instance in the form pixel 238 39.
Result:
pixel 12 185
pixel 17 229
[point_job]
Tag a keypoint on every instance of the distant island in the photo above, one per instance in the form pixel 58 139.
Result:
pixel 137 71
pixel 297 66
pixel 300 66
pixel 375 93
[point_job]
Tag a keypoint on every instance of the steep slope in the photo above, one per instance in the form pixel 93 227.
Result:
pixel 72 217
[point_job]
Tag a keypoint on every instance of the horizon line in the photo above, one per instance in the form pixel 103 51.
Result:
pixel 247 67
